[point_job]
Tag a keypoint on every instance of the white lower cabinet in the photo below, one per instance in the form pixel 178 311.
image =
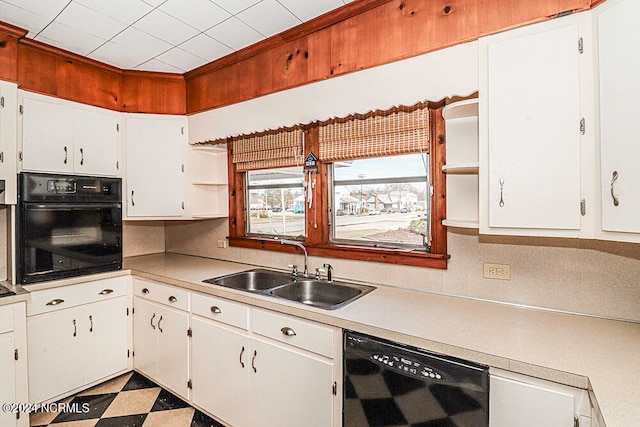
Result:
pixel 516 400
pixel 13 387
pixel 76 336
pixel 271 374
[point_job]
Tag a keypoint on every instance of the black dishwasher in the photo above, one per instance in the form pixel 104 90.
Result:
pixel 390 384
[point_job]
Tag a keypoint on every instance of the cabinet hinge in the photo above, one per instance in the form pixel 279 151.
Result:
pixel 334 388
pixel 576 422
pixel 189 332
pixel 117 166
pixel 1 156
pixel 182 205
pixel 117 127
pixel 20 156
pixel 189 384
pixel 15 354
pixel 580 45
pixel 2 101
pixel 127 311
pixel 182 130
pixel 18 415
pixel 21 110
pixel 583 126
pixel 128 354
pixel 182 167
pixel 583 207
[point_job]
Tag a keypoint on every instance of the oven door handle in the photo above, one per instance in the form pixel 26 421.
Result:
pixel 71 206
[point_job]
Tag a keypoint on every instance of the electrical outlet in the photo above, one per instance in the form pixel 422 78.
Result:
pixel 222 244
pixel 497 271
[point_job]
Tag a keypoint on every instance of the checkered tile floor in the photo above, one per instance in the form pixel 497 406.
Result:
pixel 129 400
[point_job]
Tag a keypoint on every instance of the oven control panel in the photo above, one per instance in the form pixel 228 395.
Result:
pixel 408 366
pixel 61 186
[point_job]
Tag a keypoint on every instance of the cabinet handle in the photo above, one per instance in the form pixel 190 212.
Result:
pixel 501 188
pixel 215 310
pixel 66 155
pixel 153 317
pixel 160 320
pixel 288 331
pixel 75 329
pixel 241 354
pixel 253 360
pixel 55 302
pixel 145 291
pixel 91 323
pixel 105 292
pixel 173 299
pixel 614 178
pixel 132 202
pixel 81 157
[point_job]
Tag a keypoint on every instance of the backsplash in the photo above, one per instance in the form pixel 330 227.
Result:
pixel 588 277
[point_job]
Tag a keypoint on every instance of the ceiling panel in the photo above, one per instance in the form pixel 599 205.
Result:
pixel 158 35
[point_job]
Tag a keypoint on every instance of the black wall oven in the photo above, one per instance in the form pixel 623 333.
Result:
pixel 67 226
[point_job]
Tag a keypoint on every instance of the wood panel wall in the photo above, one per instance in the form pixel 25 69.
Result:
pixel 363 34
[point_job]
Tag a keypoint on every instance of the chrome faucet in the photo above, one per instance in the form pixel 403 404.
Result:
pixel 300 245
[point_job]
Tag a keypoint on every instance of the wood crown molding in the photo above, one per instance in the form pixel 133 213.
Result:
pixel 12 30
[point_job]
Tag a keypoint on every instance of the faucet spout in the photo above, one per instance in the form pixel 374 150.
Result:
pixel 301 246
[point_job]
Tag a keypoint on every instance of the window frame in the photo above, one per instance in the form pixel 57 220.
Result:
pixel 317 239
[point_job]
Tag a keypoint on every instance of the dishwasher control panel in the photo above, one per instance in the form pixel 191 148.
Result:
pixel 407 366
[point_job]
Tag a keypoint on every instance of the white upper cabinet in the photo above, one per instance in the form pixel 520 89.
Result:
pixel 8 140
pixel 154 146
pixel 68 138
pixel 532 130
pixel 619 108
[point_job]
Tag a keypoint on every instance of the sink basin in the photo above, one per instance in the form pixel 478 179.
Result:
pixel 319 293
pixel 257 280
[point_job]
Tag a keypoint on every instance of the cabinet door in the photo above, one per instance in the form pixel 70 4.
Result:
pixel 289 388
pixel 154 167
pixel 619 71
pixel 106 352
pixel 173 360
pixel 7 378
pixel 55 342
pixel 8 140
pixel 531 113
pixel 95 143
pixel 47 137
pixel 145 336
pixel 220 363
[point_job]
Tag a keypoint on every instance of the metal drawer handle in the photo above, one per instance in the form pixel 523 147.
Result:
pixel 215 310
pixel 241 354
pixel 91 323
pixel 145 290
pixel 288 331
pixel 173 299
pixel 55 302
pixel 153 317
pixel 105 292
pixel 75 329
pixel 614 178
pixel 159 324
pixel 253 360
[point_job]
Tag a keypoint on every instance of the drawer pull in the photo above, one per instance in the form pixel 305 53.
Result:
pixel 145 290
pixel 105 292
pixel 160 320
pixel 253 360
pixel 215 310
pixel 153 317
pixel 55 302
pixel 241 354
pixel 288 331
pixel 173 299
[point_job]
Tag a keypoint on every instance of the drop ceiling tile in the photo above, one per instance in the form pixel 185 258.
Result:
pixel 235 6
pixel 205 47
pixel 127 11
pixel 119 55
pixel 155 65
pixel 234 33
pixel 181 59
pixel 138 41
pixel 47 8
pixel 23 18
pixel 268 17
pixel 154 3
pixel 70 39
pixel 89 21
pixel 309 10
pixel 165 27
pixel 201 14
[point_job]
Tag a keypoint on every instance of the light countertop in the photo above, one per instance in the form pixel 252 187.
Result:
pixel 596 354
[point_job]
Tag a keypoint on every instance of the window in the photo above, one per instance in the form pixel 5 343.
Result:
pixel 275 202
pixel 382 202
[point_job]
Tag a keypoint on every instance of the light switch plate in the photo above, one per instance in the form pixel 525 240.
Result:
pixel 222 244
pixel 497 271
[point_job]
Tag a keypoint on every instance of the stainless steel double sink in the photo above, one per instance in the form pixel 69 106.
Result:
pixel 305 290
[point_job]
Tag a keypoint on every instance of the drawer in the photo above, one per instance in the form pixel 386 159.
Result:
pixel 6 319
pixel 74 295
pixel 163 294
pixel 300 333
pixel 221 310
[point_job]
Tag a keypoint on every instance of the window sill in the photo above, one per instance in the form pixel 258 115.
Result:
pixel 389 256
